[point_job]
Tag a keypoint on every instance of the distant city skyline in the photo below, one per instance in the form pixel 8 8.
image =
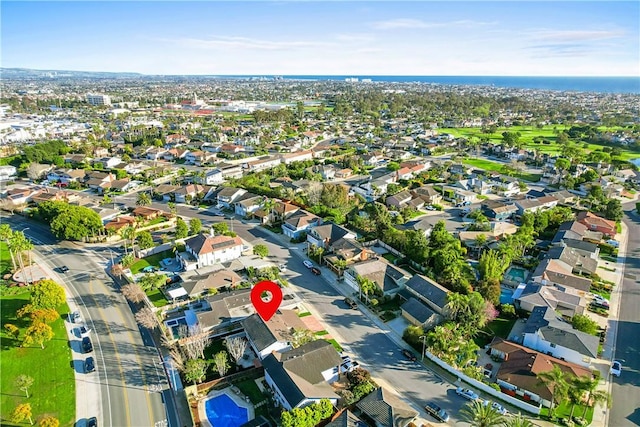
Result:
pixel 325 38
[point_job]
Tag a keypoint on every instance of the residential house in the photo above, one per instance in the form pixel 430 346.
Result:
pixel 381 408
pixel 203 250
pixel 147 213
pixel 559 273
pixel 425 225
pixel 372 159
pixel 327 172
pixel 188 192
pixel 302 376
pixel 99 181
pixel 119 223
pixel 124 185
pixel 428 194
pixel 596 223
pixel 247 204
pixel 263 163
pixel 534 205
pixel 22 196
pixel 299 222
pixel 346 418
pixel 296 156
pixel 173 154
pixel 231 171
pixel 325 235
pixel 166 191
pixel 577 231
pixel 388 278
pixel 283 210
pixel 155 153
pixel 564 197
pixel 400 199
pixel 582 247
pixel 430 294
pixel 228 195
pixel 581 264
pixel 344 173
pixel 196 284
pixel 66 176
pixel 518 373
pixel 231 148
pixel 498 211
pixel 211 177
pixel 566 302
pixel 108 162
pixel 214 314
pixel 274 335
pixel 404 173
pixel 547 333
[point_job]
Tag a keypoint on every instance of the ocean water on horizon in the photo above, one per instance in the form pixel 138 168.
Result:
pixel 578 84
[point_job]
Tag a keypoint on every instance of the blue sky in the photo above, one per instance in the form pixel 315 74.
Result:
pixel 331 37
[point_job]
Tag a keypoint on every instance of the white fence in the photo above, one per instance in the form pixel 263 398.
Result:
pixel 485 388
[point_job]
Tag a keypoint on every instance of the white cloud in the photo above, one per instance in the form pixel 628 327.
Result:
pixel 243 43
pixel 576 35
pixel 408 23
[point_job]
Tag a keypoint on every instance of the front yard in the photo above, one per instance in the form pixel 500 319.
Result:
pixel 151 260
pixel 500 327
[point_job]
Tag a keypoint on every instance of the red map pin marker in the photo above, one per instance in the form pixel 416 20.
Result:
pixel 266 297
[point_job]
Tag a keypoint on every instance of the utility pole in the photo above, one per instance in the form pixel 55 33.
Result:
pixel 423 338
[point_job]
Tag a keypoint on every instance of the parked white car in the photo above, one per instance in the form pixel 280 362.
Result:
pixel 307 263
pixel 467 394
pixel 616 368
pixel 498 407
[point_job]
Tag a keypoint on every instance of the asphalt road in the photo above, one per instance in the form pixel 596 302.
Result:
pixel 130 376
pixel 625 390
pixel 360 337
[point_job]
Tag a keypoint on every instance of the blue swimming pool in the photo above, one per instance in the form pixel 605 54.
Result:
pixel 506 296
pixel 223 412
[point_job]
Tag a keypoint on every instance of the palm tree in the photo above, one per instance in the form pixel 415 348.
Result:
pixel 480 415
pixel 340 264
pixel 6 234
pixel 128 233
pixel 18 244
pixel 555 380
pixel 143 199
pixel 517 421
pixel 268 205
pixel 594 396
pixel 366 285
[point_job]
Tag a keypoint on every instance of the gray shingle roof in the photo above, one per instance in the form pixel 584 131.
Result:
pixel 418 310
pixel 386 409
pixel 429 290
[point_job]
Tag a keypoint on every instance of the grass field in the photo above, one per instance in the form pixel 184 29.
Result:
pixel 500 327
pixel 53 390
pixel 5 259
pixel 498 167
pixel 528 133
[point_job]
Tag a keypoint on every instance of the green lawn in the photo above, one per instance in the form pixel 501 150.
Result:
pixel 305 314
pixel 564 410
pixel 53 391
pixel 335 344
pixel 250 388
pixel 150 260
pixel 500 327
pixel 530 132
pixel 5 259
pixel 216 347
pixel 390 257
pixel 157 298
pixel 498 167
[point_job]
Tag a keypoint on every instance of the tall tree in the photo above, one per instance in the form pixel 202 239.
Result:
pixel 517 421
pixel 143 199
pixel 38 333
pixel 593 395
pixel 182 230
pixel 147 318
pixel 195 226
pixel 47 294
pixel 236 347
pixel 261 250
pixel 49 421
pixel 133 293
pixel 145 240
pixel 23 382
pixel 480 415
pixel 22 412
pixel 195 370
pixel 556 381
pixel 221 363
pixel 6 233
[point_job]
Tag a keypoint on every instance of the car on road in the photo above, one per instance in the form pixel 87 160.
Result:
pixel 316 271
pixel 616 368
pixel 89 365
pixel 63 269
pixel 436 412
pixel 92 422
pixel 282 267
pixel 467 394
pixel 407 353
pixel 75 317
pixel 498 407
pixel 87 347
pixel 351 303
pixel 307 263
pixel 84 330
pixel 430 208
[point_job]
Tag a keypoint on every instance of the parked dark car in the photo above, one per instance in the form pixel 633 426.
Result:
pixel 92 422
pixel 63 269
pixel 437 412
pixel 316 271
pixel 406 353
pixel 351 303
pixel 87 347
pixel 89 365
